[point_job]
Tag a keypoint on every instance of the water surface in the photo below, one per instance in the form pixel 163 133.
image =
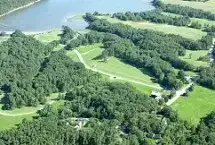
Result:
pixel 52 14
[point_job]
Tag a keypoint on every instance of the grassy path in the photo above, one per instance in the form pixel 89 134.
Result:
pixel 8 113
pixel 113 76
pixel 178 94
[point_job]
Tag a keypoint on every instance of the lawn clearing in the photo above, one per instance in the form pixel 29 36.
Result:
pixel 194 57
pixel 58 104
pixel 87 49
pixel 207 6
pixel 186 32
pixel 59 47
pixel 24 110
pixel 8 122
pixel 198 104
pixel 72 55
pixel 48 36
pixel 113 66
pixel 142 89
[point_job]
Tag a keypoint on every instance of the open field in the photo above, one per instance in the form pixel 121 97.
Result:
pixel 141 88
pixel 198 104
pixel 194 57
pixel 8 122
pixel 59 47
pixel 48 36
pixel 113 66
pixel 203 21
pixel 24 110
pixel 72 55
pixel 3 38
pixel 207 6
pixel 187 32
pixel 14 117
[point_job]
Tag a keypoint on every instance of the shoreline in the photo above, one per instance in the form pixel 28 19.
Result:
pixel 19 8
pixel 30 32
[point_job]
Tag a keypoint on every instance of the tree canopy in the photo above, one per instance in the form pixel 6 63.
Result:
pixel 30 71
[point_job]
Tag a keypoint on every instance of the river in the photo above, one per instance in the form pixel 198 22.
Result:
pixel 52 14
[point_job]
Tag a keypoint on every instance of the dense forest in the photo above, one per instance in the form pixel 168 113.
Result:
pixel 8 5
pixel 207 77
pixel 30 71
pixel 104 113
pixel 184 10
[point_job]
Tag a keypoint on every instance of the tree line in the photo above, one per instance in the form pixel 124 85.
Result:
pixel 207 77
pixel 66 35
pixel 184 10
pixel 154 16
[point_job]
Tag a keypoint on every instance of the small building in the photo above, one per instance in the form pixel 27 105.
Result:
pixel 156 95
pixel 81 122
pixel 188 78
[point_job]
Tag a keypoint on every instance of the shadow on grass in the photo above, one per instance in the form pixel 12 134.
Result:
pixel 99 58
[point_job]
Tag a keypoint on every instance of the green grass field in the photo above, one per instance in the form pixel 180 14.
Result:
pixel 91 51
pixel 143 89
pixel 59 47
pixel 207 6
pixel 198 104
pixel 194 57
pixel 114 66
pixel 72 55
pixel 48 36
pixel 7 122
pixel 186 32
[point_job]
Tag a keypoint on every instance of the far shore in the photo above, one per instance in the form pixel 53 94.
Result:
pixel 16 9
pixel 29 32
